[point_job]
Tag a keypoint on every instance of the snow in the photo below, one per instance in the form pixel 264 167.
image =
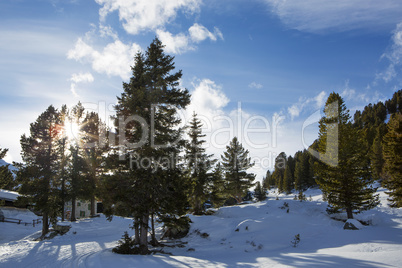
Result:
pixel 250 235
pixel 8 195
pixel 355 223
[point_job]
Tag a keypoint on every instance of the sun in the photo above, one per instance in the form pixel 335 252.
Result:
pixel 72 130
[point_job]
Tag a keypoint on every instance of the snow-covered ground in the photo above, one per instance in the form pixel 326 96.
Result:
pixel 251 235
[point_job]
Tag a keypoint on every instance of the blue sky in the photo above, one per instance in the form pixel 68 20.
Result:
pixel 275 60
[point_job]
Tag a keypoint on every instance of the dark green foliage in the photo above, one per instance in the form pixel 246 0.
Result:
pixel 39 171
pixel 176 227
pixel 199 167
pixel 218 194
pixel 147 179
pixel 95 145
pixel 268 181
pixel 301 196
pixel 7 181
pixel 248 196
pixel 287 185
pixel 279 173
pixel 377 159
pixel 259 192
pixel 394 105
pixel 304 173
pixel 393 159
pixel 77 185
pixel 126 245
pixel 235 162
pixel 343 168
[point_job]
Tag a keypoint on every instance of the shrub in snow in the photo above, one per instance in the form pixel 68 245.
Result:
pixel 285 205
pixel 176 228
pixel 295 240
pixel 301 196
pixel 203 235
pixel 126 245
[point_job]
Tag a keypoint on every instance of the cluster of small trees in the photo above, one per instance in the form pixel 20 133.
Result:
pixel 58 167
pixel 290 173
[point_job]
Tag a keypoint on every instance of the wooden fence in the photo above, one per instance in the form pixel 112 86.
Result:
pixel 18 221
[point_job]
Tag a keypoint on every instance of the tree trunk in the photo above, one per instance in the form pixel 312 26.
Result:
pixel 62 199
pixel 349 213
pixel 154 242
pixel 45 224
pixel 144 235
pixel 197 207
pixel 73 205
pixel 93 204
pixel 137 231
pixel 238 198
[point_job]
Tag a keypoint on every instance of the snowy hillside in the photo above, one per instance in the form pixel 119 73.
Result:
pixel 252 235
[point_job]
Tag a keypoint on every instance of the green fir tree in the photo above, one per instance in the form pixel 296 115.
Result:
pixel 148 179
pixel 343 172
pixel 393 159
pixel 199 167
pixel 38 173
pixel 235 162
pixel 7 181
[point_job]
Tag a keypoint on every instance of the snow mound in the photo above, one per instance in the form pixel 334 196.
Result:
pixel 8 195
pixel 352 224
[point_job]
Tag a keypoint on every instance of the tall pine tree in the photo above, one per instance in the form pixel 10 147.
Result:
pixel 279 172
pixel 343 172
pixel 39 170
pixel 393 159
pixel 199 165
pixel 235 162
pixel 94 143
pixel 147 125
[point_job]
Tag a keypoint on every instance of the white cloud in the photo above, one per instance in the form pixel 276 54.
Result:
pixel 207 99
pixel 295 109
pixel 341 15
pixel 174 44
pixel 320 99
pixel 181 42
pixel 255 85
pixel 360 98
pixel 115 59
pixel 199 33
pixel 314 103
pixel 394 56
pixel 80 51
pixel 80 78
pixel 142 15
pixel 106 31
